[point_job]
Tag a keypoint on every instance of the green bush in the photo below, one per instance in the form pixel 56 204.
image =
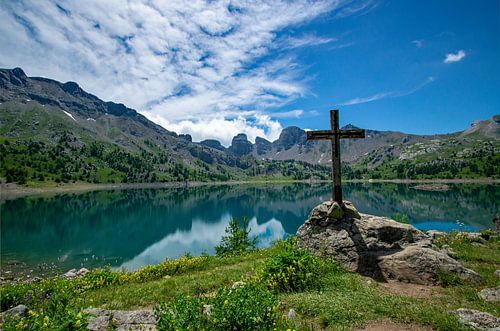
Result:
pixel 249 306
pixel 57 313
pixel 401 218
pixel 236 240
pixel 291 269
pixel 182 313
pixel 446 279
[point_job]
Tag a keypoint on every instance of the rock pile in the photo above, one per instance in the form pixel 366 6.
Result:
pixel 377 247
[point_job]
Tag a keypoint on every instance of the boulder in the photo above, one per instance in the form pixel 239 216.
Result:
pixel 477 320
pixel 120 319
pixel 20 311
pixel 377 247
pixel 490 294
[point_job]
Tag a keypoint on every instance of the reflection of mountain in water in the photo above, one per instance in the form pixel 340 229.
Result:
pixel 472 205
pixel 128 225
pixel 116 226
pixel 202 238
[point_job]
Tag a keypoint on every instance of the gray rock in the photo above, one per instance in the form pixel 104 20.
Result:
pixel 477 320
pixel 445 249
pixel 291 314
pixel 70 274
pixel 490 294
pixel 377 247
pixel 20 311
pixel 350 211
pixel 420 265
pixel 497 273
pixel 121 320
pixel 82 272
pixel 335 211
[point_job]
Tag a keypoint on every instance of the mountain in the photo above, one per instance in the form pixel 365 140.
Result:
pixel 53 131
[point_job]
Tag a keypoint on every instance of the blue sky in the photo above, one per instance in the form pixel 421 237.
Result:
pixel 216 68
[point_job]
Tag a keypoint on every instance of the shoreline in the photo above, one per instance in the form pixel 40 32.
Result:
pixel 12 191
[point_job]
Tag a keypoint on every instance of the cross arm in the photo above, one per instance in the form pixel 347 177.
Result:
pixel 329 134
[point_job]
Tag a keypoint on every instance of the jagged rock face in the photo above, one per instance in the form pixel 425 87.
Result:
pixel 290 136
pixel 240 145
pixel 212 143
pixel 377 247
pixel 262 145
pixel 186 137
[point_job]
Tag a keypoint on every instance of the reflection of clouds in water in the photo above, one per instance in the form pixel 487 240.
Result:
pixel 266 233
pixel 201 238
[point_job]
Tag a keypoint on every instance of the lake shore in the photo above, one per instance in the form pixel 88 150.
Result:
pixel 10 191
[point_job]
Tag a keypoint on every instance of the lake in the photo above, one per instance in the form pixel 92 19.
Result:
pixel 131 228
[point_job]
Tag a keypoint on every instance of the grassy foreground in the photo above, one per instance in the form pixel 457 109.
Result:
pixel 323 295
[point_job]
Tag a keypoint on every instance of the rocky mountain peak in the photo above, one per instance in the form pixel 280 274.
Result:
pixel 262 145
pixel 212 143
pixel 15 76
pixel 290 136
pixel 240 145
pixel 349 127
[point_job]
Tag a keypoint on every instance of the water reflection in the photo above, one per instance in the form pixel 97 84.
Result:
pixel 131 228
pixel 202 238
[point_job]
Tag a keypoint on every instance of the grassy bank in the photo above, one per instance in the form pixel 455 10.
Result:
pixel 323 295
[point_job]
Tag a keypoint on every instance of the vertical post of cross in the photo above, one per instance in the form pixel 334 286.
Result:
pixel 337 186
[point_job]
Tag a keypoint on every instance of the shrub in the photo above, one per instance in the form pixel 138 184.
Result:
pixel 401 218
pixel 246 307
pixel 236 240
pixel 291 268
pixel 446 279
pixel 182 313
pixel 57 313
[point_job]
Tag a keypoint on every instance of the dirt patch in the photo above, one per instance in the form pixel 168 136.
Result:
pixel 387 325
pixel 410 290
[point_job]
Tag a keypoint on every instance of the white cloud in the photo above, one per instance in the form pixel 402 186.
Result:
pixel 392 94
pixel 450 57
pixel 418 43
pixel 182 64
pixel 223 128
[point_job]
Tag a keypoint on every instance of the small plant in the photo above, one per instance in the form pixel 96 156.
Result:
pixel 401 218
pixel 249 306
pixel 291 268
pixel 237 239
pixel 182 313
pixel 58 313
pixel 446 279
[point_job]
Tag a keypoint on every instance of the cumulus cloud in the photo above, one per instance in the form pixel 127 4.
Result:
pixel 450 57
pixel 186 65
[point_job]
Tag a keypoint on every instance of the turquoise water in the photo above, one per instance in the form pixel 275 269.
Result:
pixel 132 228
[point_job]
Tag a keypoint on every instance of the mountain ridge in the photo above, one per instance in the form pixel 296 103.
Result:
pixel 53 113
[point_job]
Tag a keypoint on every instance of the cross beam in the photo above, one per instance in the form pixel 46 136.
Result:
pixel 335 135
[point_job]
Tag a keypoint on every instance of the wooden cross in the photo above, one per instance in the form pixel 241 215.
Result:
pixel 335 135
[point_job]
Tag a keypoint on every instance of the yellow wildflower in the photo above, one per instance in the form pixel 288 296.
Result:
pixel 226 302
pixel 19 325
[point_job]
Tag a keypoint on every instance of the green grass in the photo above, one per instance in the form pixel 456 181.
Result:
pixel 339 300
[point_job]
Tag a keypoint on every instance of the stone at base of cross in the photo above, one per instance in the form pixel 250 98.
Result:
pixel 344 210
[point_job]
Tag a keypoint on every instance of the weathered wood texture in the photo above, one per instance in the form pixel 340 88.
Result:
pixel 334 135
